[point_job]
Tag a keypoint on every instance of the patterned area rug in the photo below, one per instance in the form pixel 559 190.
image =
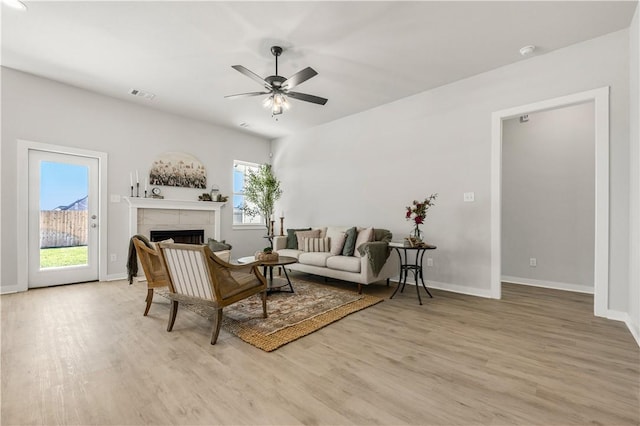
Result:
pixel 291 315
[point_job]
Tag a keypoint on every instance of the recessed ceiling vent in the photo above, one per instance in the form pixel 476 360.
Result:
pixel 142 94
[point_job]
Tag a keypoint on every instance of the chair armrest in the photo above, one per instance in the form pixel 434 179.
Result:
pixel 223 254
pixel 279 242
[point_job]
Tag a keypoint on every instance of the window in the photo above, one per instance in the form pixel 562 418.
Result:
pixel 241 170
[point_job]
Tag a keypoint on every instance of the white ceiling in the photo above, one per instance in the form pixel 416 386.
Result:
pixel 366 53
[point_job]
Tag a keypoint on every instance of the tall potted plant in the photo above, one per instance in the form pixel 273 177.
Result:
pixel 262 189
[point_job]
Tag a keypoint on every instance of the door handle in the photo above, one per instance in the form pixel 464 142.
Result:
pixel 93 216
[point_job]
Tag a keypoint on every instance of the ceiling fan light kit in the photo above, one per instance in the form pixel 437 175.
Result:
pixel 279 88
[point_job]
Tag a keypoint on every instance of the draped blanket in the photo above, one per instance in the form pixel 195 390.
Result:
pixel 132 258
pixel 378 250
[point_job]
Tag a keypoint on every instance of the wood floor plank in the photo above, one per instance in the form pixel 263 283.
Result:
pixel 84 354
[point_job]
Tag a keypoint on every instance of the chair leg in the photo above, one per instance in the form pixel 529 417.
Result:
pixel 217 322
pixel 172 314
pixel 148 300
pixel 264 304
pixel 359 288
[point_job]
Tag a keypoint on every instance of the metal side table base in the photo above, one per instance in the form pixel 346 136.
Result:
pixel 405 267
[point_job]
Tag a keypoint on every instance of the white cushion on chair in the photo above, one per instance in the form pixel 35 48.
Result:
pixel 188 273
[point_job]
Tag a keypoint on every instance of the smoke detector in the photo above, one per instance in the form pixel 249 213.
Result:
pixel 527 50
pixel 142 94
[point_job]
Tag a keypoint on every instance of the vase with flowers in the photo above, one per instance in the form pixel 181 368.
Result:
pixel 417 212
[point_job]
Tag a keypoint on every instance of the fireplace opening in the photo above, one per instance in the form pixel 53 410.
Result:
pixel 187 236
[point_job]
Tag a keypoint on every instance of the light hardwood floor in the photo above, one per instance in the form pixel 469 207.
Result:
pixel 84 354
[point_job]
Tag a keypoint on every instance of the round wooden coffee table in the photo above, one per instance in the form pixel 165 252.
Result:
pixel 267 267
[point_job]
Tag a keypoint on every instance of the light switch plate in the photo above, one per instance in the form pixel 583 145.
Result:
pixel 115 198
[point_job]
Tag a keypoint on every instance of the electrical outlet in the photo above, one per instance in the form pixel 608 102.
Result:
pixel 533 262
pixel 115 198
pixel 469 197
pixel 429 261
pixel 113 257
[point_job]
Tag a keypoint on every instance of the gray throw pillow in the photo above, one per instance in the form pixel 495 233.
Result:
pixel 218 245
pixel 350 241
pixel 292 239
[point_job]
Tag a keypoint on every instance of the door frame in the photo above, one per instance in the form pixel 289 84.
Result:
pixel 23 148
pixel 600 98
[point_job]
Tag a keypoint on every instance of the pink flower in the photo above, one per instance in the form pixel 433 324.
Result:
pixel 419 209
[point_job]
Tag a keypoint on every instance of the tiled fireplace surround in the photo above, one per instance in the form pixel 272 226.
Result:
pixel 146 214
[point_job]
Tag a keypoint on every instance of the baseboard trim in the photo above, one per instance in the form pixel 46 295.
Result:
pixel 116 277
pixel 625 318
pixel 11 289
pixel 577 288
pixel 634 329
pixel 454 288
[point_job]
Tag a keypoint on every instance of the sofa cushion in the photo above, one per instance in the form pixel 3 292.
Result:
pixel 350 241
pixel 316 244
pixel 334 232
pixel 290 252
pixel 301 235
pixel 292 240
pixel 364 236
pixel 344 263
pixel 314 258
pixel 337 243
pixel 218 245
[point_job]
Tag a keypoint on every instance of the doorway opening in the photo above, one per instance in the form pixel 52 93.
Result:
pixel 600 99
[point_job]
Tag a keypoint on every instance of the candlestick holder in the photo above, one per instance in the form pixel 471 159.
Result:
pixel 281 226
pixel 145 193
pixel 138 189
pixel 132 190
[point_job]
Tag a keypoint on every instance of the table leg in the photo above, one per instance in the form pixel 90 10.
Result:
pixel 422 275
pixel 416 272
pixel 400 277
pixel 288 280
pixel 265 272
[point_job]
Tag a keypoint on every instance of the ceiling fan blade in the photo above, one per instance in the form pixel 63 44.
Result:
pixel 246 95
pixel 252 75
pixel 299 77
pixel 307 98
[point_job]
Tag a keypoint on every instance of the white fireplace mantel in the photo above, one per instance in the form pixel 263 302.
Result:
pixel 136 203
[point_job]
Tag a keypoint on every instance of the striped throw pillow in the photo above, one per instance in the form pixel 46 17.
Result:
pixel 316 244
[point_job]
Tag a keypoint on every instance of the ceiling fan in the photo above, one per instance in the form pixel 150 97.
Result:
pixel 279 88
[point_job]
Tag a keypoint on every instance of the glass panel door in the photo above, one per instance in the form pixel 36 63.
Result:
pixel 62 219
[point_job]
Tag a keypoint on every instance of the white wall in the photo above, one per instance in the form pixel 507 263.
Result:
pixel 548 198
pixel 42 110
pixel 364 169
pixel 634 189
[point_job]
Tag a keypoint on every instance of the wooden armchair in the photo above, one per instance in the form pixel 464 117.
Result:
pixel 198 276
pixel 153 267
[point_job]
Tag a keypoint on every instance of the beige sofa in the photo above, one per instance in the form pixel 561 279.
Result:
pixel 359 268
